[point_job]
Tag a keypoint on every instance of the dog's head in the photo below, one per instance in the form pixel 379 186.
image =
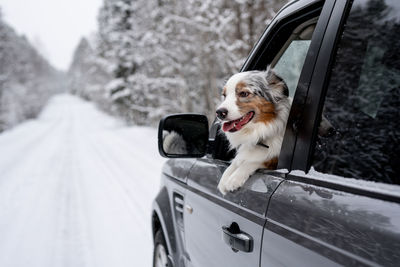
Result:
pixel 251 98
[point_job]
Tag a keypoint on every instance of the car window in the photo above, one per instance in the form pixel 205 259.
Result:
pixel 289 61
pixel 286 54
pixel 361 108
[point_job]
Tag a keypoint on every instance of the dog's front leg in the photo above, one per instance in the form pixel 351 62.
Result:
pixel 240 175
pixel 225 176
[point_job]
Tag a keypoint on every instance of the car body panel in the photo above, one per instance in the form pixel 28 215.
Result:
pixel 344 227
pixel 178 168
pixel 173 182
pixel 295 119
pixel 211 211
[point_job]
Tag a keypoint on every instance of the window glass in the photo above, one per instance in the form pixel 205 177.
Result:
pixel 290 64
pixel 289 61
pixel 360 122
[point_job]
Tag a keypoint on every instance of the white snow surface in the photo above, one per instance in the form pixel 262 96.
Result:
pixel 76 188
pixel 387 189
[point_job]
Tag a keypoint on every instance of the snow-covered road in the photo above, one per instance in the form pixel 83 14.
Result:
pixel 76 188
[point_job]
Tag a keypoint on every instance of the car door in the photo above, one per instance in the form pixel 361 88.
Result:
pixel 227 230
pixel 213 221
pixel 339 205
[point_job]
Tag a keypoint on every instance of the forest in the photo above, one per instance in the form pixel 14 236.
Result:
pixel 147 59
pixel 27 80
pixel 151 58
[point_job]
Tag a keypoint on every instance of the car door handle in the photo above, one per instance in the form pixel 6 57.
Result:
pixel 237 239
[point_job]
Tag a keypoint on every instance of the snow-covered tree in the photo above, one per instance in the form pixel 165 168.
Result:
pixel 26 79
pixel 86 73
pixel 166 56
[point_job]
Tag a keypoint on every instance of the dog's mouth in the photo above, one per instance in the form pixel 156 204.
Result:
pixel 236 125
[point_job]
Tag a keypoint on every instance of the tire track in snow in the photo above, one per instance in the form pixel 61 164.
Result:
pixel 72 235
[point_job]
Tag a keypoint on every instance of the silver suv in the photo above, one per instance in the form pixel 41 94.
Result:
pixel 335 197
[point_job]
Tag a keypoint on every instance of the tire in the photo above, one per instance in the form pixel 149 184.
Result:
pixel 160 252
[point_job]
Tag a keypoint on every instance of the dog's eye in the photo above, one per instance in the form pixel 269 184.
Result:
pixel 244 94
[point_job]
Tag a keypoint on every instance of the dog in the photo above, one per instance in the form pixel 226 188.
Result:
pixel 253 114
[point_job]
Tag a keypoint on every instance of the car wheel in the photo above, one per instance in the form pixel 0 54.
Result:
pixel 160 253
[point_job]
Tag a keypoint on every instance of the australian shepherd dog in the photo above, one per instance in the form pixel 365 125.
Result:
pixel 253 114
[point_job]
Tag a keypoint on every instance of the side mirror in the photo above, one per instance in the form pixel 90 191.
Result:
pixel 183 136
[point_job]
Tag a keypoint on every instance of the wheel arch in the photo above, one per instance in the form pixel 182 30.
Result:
pixel 161 218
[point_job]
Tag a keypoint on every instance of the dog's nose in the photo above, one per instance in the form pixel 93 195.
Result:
pixel 222 113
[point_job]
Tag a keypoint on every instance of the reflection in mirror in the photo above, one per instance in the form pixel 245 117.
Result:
pixel 183 135
pixel 173 143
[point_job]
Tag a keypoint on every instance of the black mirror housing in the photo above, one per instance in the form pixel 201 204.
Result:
pixel 183 136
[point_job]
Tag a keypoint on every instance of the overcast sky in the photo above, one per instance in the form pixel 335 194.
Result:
pixel 56 24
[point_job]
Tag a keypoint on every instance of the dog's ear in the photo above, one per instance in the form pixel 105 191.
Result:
pixel 277 85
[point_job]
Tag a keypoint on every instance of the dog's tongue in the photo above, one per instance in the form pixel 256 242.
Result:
pixel 227 126
pixel 236 125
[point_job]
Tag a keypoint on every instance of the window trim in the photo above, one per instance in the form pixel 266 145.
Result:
pixel 288 14
pixel 287 154
pixel 360 191
pixel 307 120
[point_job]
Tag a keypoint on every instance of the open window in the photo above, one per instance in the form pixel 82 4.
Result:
pixel 285 50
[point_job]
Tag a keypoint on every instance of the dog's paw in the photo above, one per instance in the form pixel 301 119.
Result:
pixel 234 182
pixel 222 188
pixel 222 184
pixel 224 180
pixel 231 183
